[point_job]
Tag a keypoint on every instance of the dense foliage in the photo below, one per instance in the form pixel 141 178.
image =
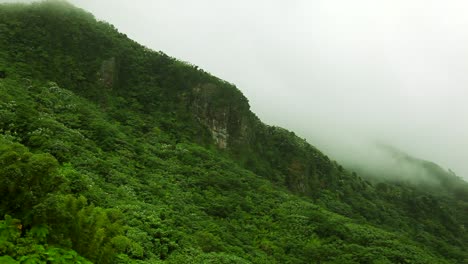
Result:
pixel 113 153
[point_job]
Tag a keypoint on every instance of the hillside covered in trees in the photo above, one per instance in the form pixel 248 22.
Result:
pixel 111 152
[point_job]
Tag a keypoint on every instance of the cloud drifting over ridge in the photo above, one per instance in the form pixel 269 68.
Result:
pixel 339 73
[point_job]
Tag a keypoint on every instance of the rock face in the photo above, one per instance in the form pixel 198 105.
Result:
pixel 107 75
pixel 220 134
pixel 221 113
pixel 214 118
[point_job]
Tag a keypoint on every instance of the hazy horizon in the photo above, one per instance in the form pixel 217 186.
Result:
pixel 341 74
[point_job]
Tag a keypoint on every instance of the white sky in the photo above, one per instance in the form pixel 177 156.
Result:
pixel 340 73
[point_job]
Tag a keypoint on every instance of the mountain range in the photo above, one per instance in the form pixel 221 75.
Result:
pixel 112 152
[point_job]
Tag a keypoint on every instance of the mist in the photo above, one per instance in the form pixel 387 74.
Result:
pixel 342 74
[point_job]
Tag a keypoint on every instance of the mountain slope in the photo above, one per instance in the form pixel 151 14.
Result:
pixel 147 158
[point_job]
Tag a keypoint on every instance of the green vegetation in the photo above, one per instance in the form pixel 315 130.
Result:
pixel 113 153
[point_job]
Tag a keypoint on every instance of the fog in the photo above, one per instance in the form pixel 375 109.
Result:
pixel 342 74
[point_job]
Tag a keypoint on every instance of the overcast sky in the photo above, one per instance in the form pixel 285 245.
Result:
pixel 339 73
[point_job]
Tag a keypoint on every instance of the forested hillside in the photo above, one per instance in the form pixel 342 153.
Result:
pixel 111 152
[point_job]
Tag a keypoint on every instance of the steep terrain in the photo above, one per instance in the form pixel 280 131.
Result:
pixel 115 153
